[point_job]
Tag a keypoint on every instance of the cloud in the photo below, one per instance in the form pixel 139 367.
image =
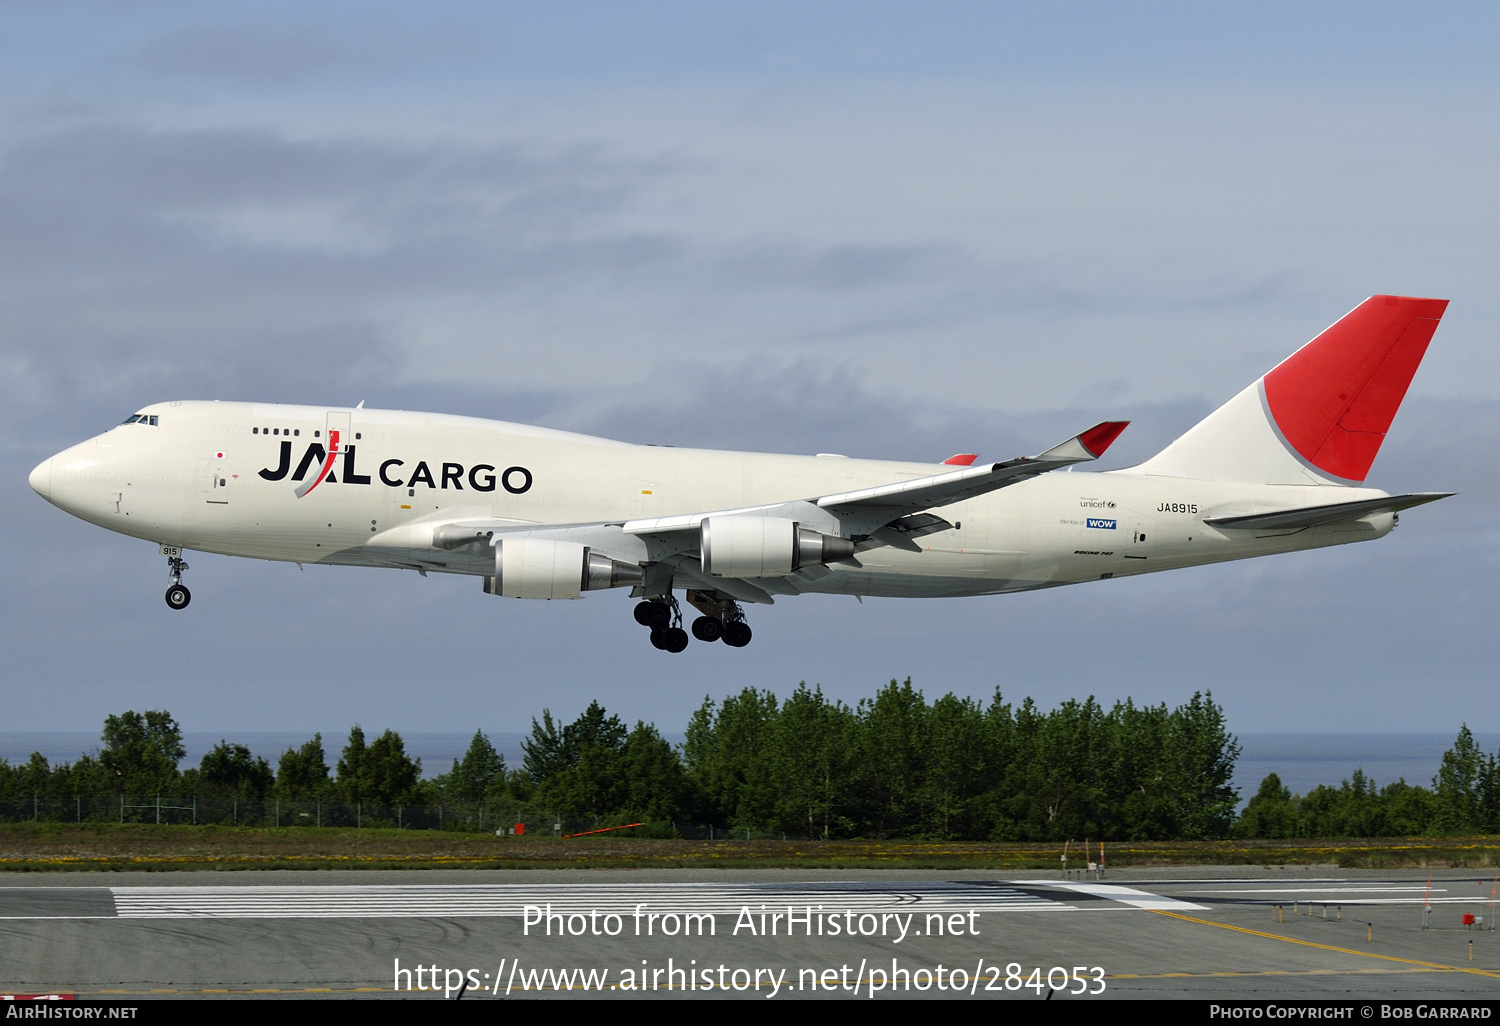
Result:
pixel 244 55
pixel 873 253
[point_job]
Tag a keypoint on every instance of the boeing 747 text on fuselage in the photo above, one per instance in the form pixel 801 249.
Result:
pixel 544 514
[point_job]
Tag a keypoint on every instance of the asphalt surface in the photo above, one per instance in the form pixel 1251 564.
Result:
pixel 1222 933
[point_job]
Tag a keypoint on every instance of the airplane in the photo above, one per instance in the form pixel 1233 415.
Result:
pixel 537 513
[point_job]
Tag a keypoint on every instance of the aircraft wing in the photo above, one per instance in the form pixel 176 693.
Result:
pixel 890 514
pixel 904 497
pixel 867 510
pixel 1318 516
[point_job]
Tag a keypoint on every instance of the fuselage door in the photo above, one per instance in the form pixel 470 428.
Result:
pixel 337 439
pixel 214 479
pixel 338 431
pixel 643 501
pixel 1140 532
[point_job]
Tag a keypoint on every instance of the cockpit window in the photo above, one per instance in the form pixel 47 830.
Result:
pixel 141 418
pixel 131 419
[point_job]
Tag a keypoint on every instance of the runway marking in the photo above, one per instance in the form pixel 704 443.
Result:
pixel 1327 947
pixel 1391 901
pixel 1276 972
pixel 1329 890
pixel 486 900
pixel 1131 896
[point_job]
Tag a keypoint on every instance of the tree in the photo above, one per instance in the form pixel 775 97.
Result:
pixel 31 778
pixel 230 770
pixel 1460 785
pixel 353 782
pixel 549 751
pixel 1201 754
pixel 542 752
pixel 1270 813
pixel 388 775
pixel 594 767
pixel 481 769
pixel 1052 787
pixel 892 757
pixel 141 753
pixel 656 785
pixel 811 747
pixel 961 756
pixel 726 759
pixel 302 772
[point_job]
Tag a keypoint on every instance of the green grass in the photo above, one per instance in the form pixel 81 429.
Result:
pixel 50 847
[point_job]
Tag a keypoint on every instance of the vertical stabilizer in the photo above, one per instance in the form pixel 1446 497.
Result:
pixel 1319 417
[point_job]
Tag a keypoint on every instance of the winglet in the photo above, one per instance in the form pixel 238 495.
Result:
pixel 1101 436
pixel 1088 446
pixel 963 459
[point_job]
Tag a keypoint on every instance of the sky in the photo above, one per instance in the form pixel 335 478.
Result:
pixel 885 230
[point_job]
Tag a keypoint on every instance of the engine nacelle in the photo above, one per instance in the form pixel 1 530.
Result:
pixel 541 568
pixel 765 546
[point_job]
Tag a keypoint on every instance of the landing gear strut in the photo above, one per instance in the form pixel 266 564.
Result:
pixel 177 594
pixel 665 621
pixel 736 630
pixel 722 620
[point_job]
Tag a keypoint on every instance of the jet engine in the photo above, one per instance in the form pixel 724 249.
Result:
pixel 542 568
pixel 765 546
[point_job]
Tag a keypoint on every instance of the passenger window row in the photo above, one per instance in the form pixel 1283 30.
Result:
pixel 275 431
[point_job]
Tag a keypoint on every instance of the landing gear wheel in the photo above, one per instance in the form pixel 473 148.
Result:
pixel 708 628
pixel 659 638
pixel 674 639
pixel 737 634
pixel 656 615
pixel 177 596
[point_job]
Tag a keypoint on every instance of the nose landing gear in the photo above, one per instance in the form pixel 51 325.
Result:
pixel 177 594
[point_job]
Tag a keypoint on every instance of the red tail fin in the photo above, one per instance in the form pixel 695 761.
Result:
pixel 1333 400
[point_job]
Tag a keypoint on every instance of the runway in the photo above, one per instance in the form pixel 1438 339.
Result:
pixel 375 901
pixel 1247 933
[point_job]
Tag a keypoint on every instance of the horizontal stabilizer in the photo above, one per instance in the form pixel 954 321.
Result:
pixel 1318 516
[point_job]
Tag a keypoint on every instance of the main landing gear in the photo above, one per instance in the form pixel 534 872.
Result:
pixel 729 626
pixel 177 594
pixel 665 621
pixel 721 621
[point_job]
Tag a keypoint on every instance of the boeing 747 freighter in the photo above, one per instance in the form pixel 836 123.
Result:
pixel 542 514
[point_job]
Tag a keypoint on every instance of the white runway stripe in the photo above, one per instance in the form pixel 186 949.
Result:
pixel 322 902
pixel 1131 896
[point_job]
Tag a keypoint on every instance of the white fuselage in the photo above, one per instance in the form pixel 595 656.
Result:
pixel 222 477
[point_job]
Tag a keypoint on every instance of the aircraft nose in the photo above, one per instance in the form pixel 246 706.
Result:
pixel 41 479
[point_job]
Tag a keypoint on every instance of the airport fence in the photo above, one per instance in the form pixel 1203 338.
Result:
pixel 458 817
pixel 250 812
